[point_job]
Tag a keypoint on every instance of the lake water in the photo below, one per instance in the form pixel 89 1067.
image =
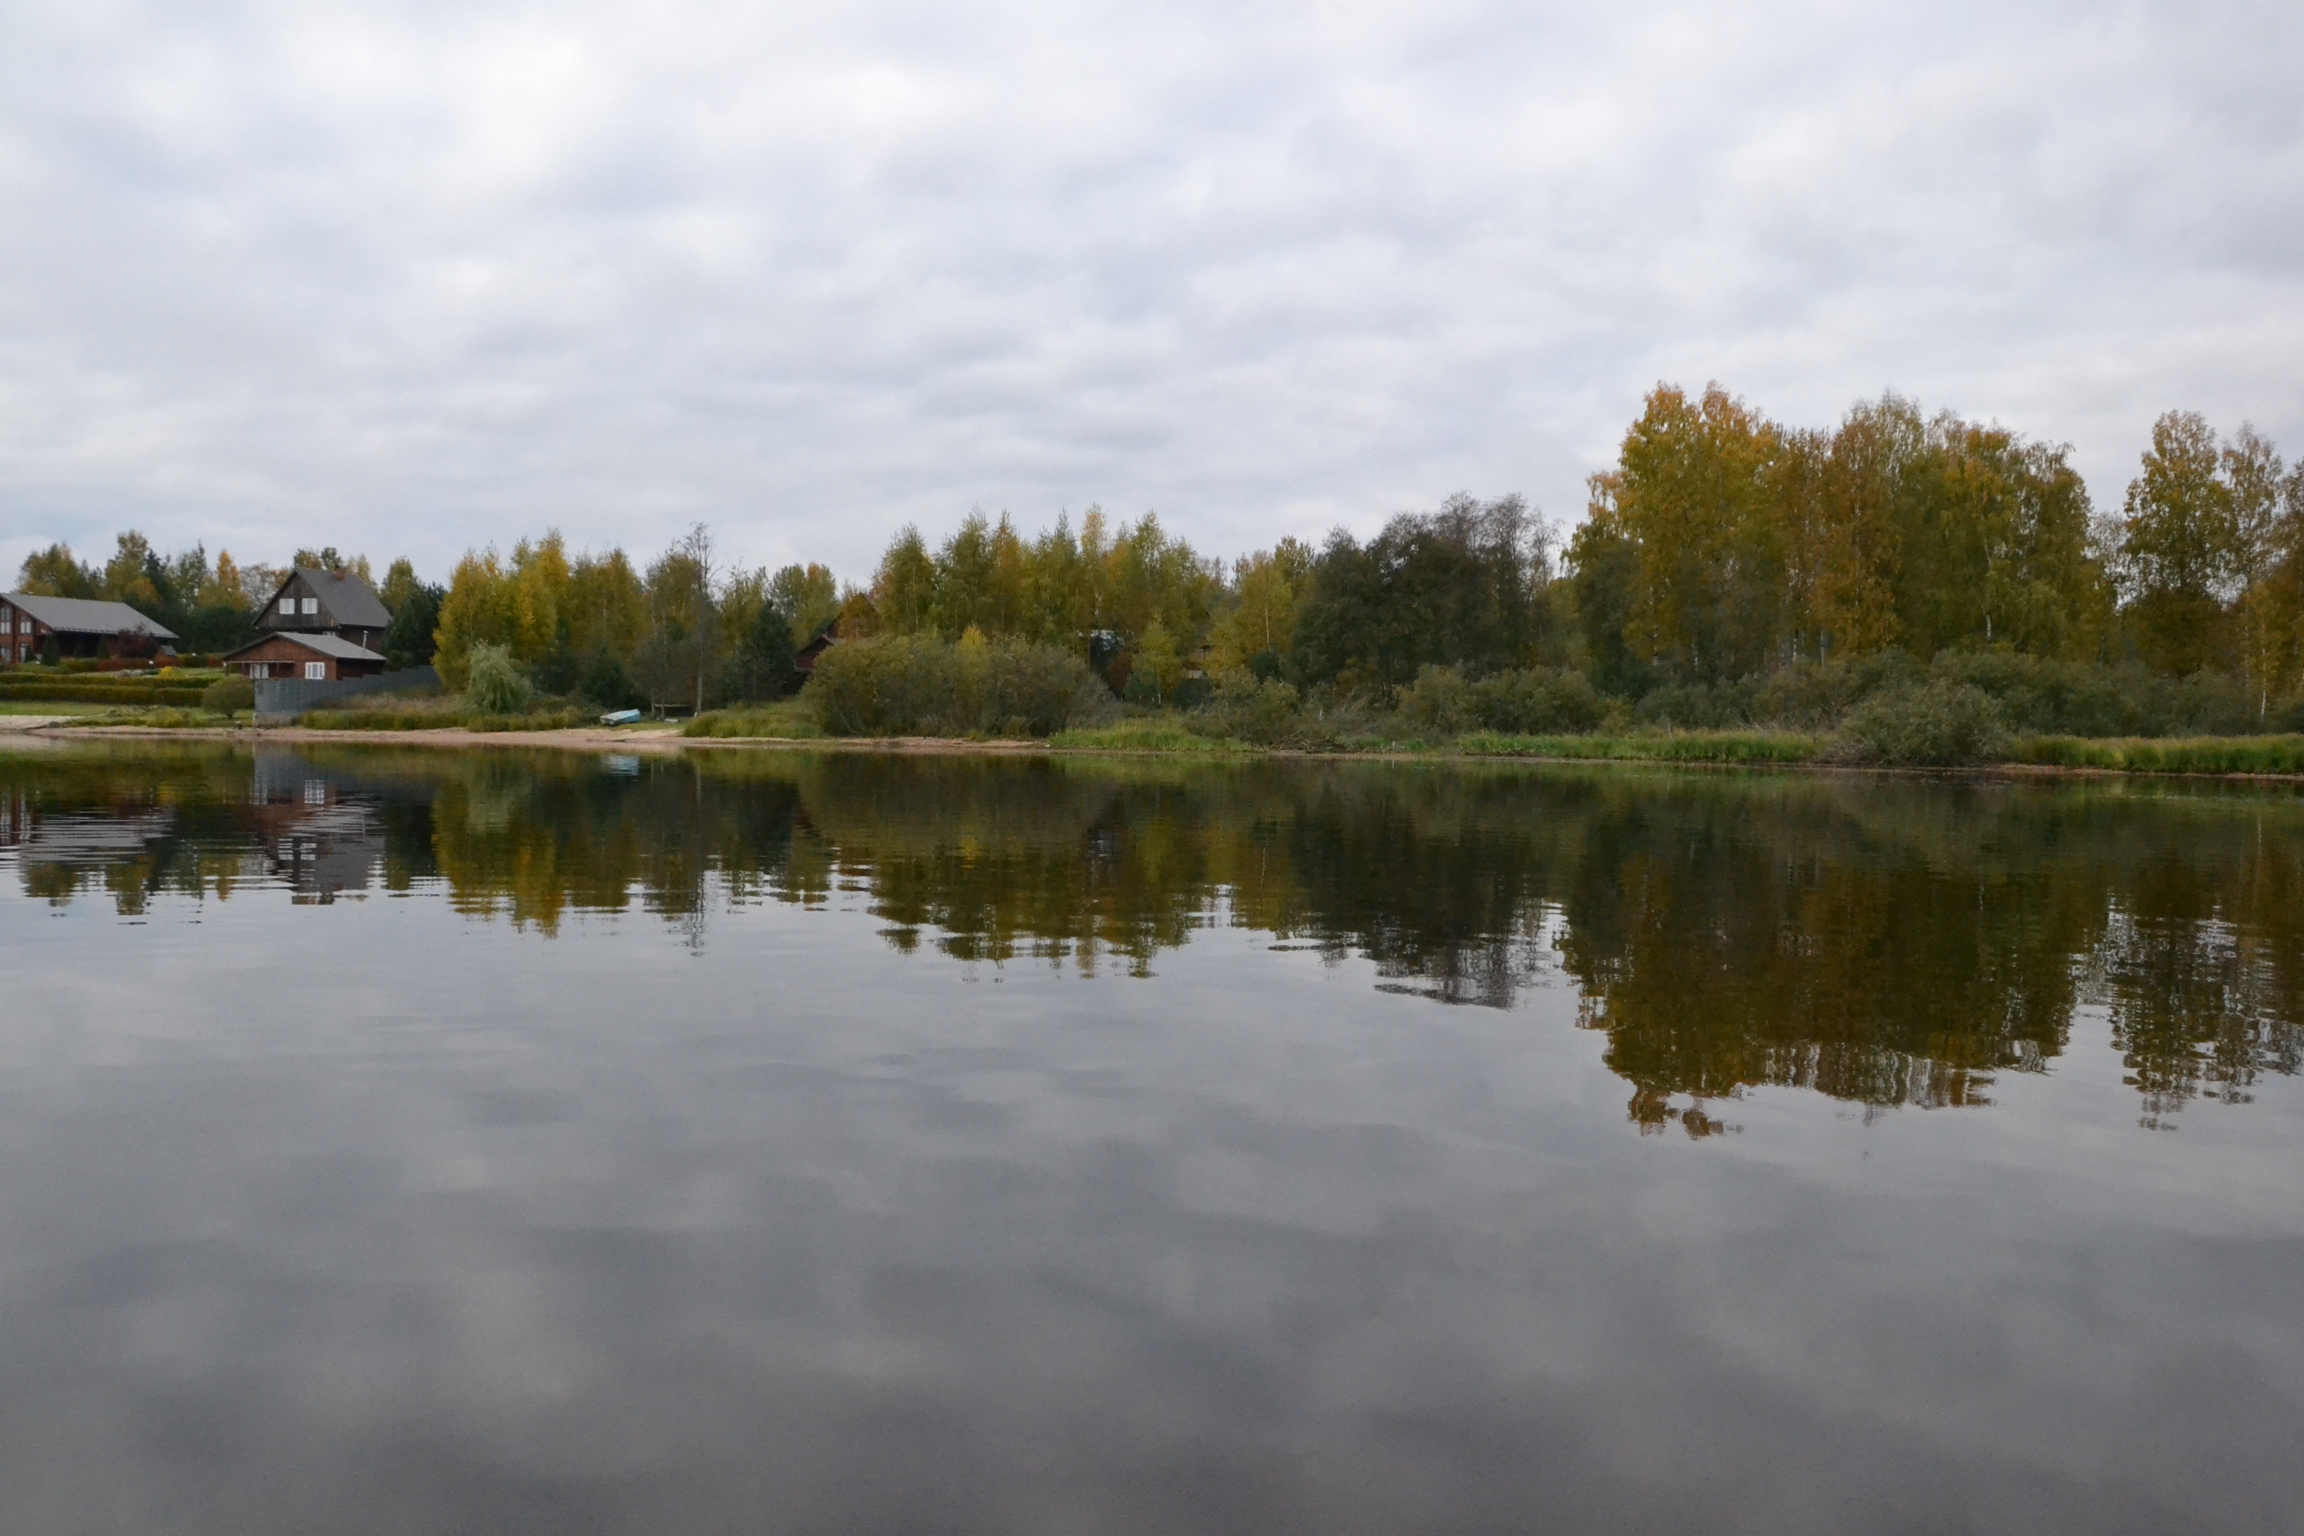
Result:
pixel 429 1142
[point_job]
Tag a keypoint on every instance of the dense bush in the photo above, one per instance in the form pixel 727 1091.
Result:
pixel 1933 724
pixel 1816 695
pixel 1697 706
pixel 1438 703
pixel 1537 701
pixel 1522 701
pixel 1266 711
pixel 495 684
pixel 2079 699
pixel 229 696
pixel 910 685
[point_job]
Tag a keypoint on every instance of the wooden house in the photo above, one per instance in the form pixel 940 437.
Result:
pixel 77 626
pixel 316 602
pixel 311 658
pixel 804 659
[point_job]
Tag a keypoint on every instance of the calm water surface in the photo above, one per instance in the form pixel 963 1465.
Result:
pixel 502 1142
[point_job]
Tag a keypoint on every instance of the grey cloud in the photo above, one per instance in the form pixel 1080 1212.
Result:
pixel 419 278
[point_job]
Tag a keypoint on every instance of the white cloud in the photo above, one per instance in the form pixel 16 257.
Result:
pixel 411 278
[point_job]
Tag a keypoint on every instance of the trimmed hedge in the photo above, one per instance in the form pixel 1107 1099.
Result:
pixel 97 688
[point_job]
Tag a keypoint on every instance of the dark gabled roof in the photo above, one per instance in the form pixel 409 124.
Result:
pixel 312 640
pixel 350 601
pixel 85 616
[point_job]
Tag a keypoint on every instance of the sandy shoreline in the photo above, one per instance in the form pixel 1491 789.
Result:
pixel 591 738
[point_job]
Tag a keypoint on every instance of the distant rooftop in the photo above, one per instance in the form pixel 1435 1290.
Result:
pixel 322 642
pixel 87 616
pixel 350 601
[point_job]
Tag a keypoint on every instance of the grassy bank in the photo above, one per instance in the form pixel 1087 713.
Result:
pixel 2180 754
pixel 784 721
pixel 450 715
pixel 1758 748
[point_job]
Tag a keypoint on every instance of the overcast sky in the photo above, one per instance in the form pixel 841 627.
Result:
pixel 411 277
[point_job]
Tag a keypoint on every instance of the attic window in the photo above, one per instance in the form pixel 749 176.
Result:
pixel 311 605
pixel 287 605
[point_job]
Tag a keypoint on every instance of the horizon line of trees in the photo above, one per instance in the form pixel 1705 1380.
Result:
pixel 1721 549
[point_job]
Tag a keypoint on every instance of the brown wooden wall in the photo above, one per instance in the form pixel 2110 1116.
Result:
pixel 273 652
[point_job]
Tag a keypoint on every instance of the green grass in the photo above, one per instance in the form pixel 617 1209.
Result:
pixel 56 707
pixel 785 721
pixel 438 719
pixel 158 717
pixel 2176 754
pixel 1145 734
pixel 1757 747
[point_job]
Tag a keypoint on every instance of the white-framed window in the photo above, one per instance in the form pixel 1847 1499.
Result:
pixel 287 605
pixel 311 605
pixel 315 671
pixel 7 621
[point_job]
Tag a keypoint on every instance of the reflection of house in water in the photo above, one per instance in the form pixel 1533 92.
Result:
pixel 79 838
pixel 309 837
pixel 56 852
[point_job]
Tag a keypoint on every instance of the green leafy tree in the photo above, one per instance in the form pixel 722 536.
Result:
pixel 400 584
pixel 53 572
pixel 2181 552
pixel 904 588
pixel 808 596
pixel 481 608
pixel 1465 584
pixel 410 641
pixel 495 682
pixel 1603 581
pixel 1696 494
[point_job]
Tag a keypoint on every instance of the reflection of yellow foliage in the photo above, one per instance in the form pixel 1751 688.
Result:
pixel 1886 944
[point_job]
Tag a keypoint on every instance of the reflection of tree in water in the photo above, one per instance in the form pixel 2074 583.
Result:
pixel 1729 941
pixel 1883 942
pixel 2201 963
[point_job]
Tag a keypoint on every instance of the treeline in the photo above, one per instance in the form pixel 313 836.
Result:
pixel 1732 569
pixel 211 606
pixel 686 629
pixel 1725 546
